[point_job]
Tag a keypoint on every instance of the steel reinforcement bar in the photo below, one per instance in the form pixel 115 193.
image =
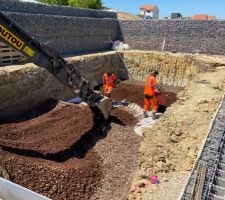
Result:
pixel 207 180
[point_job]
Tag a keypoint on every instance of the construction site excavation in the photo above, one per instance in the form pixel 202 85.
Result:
pixel 67 151
pixel 63 135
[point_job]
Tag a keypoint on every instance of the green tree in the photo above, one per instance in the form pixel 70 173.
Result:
pixel 93 4
pixel 55 2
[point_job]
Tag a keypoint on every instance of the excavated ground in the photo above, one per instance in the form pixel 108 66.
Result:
pixel 132 91
pixel 42 135
pixel 64 151
pixel 169 148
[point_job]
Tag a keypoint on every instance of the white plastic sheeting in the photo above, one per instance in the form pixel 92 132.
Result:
pixel 120 46
pixel 137 111
pixel 12 191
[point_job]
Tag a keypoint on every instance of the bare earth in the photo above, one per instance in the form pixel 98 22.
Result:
pixel 171 145
pixel 128 16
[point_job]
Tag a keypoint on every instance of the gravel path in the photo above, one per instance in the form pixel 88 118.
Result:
pixel 119 151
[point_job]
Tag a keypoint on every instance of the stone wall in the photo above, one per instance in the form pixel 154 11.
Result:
pixel 68 30
pixel 39 8
pixel 180 35
pixel 69 35
pixel 72 31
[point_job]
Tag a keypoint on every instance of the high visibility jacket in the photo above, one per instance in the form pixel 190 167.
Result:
pixel 149 85
pixel 109 80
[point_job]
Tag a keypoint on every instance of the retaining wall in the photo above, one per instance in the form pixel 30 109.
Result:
pixel 68 30
pixel 69 35
pixel 72 31
pixel 39 8
pixel 180 35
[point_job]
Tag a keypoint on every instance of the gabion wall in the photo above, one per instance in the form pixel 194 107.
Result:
pixel 69 35
pixel 68 30
pixel 38 8
pixel 177 35
pixel 72 31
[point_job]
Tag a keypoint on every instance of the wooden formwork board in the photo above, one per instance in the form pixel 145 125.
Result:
pixel 8 55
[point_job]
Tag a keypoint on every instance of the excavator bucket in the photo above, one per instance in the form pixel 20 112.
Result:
pixel 105 106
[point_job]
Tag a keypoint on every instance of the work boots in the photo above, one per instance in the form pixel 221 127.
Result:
pixel 154 115
pixel 145 115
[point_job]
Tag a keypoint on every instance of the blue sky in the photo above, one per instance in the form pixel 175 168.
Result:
pixel 185 7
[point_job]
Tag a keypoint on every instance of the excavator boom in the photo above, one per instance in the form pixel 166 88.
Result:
pixel 47 58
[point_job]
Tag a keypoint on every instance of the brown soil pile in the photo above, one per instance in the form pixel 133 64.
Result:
pixel 59 153
pixel 70 153
pixel 51 154
pixel 49 133
pixel 73 179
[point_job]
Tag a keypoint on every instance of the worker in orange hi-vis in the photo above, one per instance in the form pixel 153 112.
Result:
pixel 151 86
pixel 109 83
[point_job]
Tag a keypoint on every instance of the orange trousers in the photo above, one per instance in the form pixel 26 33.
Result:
pixel 107 90
pixel 151 102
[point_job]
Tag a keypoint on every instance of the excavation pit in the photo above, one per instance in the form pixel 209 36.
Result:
pixel 64 151
pixel 105 156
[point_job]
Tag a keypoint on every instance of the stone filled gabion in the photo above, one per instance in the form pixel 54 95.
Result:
pixel 192 36
pixel 71 30
pixel 39 8
pixel 69 35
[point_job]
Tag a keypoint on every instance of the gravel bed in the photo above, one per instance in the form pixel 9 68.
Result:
pixel 119 152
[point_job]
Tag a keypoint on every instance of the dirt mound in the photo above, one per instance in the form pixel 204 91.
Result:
pixel 37 111
pixel 73 179
pixel 49 133
pixel 52 154
pixel 60 154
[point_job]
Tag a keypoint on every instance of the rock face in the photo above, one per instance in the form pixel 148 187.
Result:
pixel 174 69
pixel 23 87
pixel 93 66
pixel 66 29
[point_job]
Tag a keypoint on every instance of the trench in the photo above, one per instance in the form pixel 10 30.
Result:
pixel 86 158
